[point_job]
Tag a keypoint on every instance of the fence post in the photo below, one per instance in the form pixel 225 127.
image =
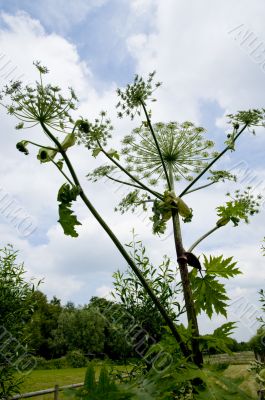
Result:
pixel 261 394
pixel 56 392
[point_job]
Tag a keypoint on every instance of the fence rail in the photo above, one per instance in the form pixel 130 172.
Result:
pixel 54 390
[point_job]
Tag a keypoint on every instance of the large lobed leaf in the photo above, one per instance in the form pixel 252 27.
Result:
pixel 67 218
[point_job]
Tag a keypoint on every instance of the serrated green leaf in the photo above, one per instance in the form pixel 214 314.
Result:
pixel 220 339
pixel 67 193
pixel 219 266
pixel 209 295
pixel 67 218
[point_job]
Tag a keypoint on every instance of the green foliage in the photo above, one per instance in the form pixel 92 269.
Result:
pixel 209 294
pixel 219 340
pixel 16 304
pixel 68 220
pixel 161 279
pixel 258 368
pixel 90 378
pixel 81 329
pixel 103 389
pixel 76 359
pixel 239 208
pixel 43 322
pixel 256 343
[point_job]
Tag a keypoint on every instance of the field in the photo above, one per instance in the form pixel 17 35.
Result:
pixel 45 379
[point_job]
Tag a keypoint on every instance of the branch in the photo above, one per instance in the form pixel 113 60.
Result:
pixel 66 177
pixel 211 163
pixel 203 237
pixel 143 186
pixel 157 145
pixel 123 182
pixel 43 147
pixel 200 187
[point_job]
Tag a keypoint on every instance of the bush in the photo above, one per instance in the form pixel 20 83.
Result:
pixel 76 359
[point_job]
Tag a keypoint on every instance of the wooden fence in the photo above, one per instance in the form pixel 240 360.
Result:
pixel 244 357
pixel 54 390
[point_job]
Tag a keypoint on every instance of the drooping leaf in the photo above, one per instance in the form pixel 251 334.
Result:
pixel 67 218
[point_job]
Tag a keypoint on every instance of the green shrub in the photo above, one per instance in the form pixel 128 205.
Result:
pixel 76 359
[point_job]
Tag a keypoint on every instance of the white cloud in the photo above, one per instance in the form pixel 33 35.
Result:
pixel 197 59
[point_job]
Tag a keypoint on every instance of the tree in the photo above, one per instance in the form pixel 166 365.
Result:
pixel 16 306
pixel 80 329
pixel 43 322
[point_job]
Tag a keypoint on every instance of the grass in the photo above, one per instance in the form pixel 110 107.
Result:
pixel 44 379
pixel 240 371
pixel 47 379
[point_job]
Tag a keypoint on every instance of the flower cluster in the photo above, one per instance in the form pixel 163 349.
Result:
pixel 184 149
pixel 135 95
pixel 41 103
pixel 94 134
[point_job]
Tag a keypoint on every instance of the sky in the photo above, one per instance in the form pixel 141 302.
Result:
pixel 210 57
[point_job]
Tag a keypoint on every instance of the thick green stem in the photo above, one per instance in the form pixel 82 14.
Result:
pixel 203 237
pixel 121 249
pixel 157 145
pixel 185 280
pixel 211 163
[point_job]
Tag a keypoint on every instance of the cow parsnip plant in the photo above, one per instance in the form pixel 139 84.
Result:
pixel 151 161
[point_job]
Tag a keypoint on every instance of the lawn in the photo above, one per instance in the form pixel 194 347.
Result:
pixel 44 379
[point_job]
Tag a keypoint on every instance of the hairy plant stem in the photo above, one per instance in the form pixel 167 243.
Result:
pixel 203 237
pixel 212 162
pixel 120 247
pixel 185 280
